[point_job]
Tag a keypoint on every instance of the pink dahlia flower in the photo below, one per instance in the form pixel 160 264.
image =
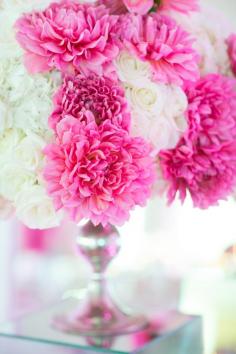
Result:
pixel 184 6
pixel 159 40
pixel 231 42
pixel 68 34
pixel 99 173
pixel 99 95
pixel 204 161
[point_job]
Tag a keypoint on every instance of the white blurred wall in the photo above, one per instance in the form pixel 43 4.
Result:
pixel 228 6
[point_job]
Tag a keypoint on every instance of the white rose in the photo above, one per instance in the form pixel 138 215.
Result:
pixel 28 98
pixel 8 143
pixel 148 98
pixel 175 108
pixel 32 117
pixel 21 159
pixel 161 185
pixel 35 209
pixel 13 178
pixel 29 152
pixel 158 113
pixel 132 70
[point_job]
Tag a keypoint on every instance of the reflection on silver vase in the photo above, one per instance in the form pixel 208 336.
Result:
pixel 98 315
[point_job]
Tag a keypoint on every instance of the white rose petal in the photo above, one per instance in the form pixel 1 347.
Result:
pixel 161 185
pixel 29 152
pixel 13 178
pixel 8 144
pixel 132 70
pixel 158 113
pixel 27 99
pixel 35 209
pixel 148 99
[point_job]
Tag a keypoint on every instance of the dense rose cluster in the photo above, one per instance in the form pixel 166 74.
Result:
pixel 104 103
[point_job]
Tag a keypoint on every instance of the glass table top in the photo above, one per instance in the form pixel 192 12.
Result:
pixel 178 334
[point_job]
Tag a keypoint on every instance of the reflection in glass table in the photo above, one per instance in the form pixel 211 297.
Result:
pixel 178 334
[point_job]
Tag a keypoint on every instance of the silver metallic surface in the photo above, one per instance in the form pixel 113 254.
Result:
pixel 98 315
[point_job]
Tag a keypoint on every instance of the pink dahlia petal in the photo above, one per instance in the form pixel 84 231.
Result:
pixel 99 173
pixel 140 7
pixel 35 64
pixel 184 6
pixel 159 40
pixel 68 33
pixel 102 97
pixel 231 42
pixel 116 7
pixel 204 161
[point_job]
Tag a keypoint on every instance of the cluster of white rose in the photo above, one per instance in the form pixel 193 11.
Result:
pixel 25 100
pixel 25 104
pixel 158 110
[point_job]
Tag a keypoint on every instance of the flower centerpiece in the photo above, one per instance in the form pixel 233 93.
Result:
pixel 103 103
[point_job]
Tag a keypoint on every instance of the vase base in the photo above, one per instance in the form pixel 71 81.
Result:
pixel 97 316
pixel 124 324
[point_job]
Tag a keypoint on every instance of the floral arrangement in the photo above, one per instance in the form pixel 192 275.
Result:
pixel 104 104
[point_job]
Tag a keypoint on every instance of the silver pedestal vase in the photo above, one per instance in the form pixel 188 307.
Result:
pixel 98 315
